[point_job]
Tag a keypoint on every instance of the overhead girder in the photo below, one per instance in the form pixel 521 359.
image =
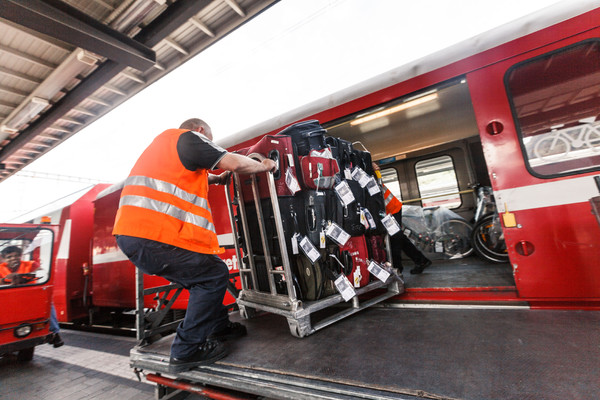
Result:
pixel 60 20
pixel 157 30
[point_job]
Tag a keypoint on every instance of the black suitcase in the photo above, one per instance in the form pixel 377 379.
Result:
pixel 306 135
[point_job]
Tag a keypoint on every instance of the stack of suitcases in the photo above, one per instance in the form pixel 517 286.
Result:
pixel 331 209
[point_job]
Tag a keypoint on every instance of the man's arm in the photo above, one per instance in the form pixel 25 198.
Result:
pixel 245 165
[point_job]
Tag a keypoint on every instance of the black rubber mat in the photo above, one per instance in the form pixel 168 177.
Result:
pixel 457 354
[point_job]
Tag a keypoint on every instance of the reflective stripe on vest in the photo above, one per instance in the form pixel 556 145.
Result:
pixel 392 204
pixel 168 209
pixel 169 188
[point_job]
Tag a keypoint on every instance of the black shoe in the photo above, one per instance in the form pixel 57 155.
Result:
pixel 209 352
pixel 233 330
pixel 55 340
pixel 419 268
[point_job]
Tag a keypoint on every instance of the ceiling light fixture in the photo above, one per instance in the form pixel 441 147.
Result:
pixel 26 113
pixel 391 110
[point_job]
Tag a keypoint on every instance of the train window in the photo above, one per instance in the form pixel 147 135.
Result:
pixel 437 182
pixel 556 104
pixel 25 256
pixel 389 177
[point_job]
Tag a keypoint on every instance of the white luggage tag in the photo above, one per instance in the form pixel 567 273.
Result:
pixel 439 247
pixel 309 250
pixel 290 160
pixel 372 186
pixel 391 225
pixel 344 192
pixel 295 243
pixel 337 234
pixel 369 218
pixel 378 271
pixel 363 219
pixel 360 176
pixel 343 285
pixel 291 181
pixel 347 174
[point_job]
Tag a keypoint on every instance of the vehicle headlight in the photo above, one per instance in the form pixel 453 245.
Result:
pixel 22 331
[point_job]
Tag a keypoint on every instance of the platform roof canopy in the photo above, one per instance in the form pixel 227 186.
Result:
pixel 64 64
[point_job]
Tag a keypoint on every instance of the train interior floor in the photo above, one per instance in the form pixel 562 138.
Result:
pixel 467 272
pixel 424 352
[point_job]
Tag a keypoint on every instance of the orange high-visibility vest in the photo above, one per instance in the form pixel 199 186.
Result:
pixel 24 268
pixel 392 204
pixel 163 201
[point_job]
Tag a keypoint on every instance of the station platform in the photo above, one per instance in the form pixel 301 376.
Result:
pixel 462 353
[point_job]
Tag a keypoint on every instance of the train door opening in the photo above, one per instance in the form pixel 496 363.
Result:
pixel 429 150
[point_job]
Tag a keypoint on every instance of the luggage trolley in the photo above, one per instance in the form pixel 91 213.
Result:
pixel 297 312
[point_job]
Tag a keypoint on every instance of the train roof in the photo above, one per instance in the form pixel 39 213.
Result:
pixel 533 22
pixel 64 64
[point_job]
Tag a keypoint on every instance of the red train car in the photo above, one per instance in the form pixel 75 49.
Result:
pixel 515 109
pixel 94 280
pixel 26 285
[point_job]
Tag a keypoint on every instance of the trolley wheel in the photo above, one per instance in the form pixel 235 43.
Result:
pixel 247 312
pixel 299 327
pixel 25 354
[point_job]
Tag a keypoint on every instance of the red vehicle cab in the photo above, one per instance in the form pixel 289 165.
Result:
pixel 26 263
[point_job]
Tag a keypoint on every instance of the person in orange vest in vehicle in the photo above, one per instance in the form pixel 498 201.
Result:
pixel 14 271
pixel 12 268
pixel 399 241
pixel 165 227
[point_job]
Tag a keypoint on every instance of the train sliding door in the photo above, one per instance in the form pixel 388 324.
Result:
pixel 539 119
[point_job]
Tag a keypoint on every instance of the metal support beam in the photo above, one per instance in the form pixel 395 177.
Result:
pixel 58 19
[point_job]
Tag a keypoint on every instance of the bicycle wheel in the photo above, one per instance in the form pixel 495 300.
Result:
pixel 551 147
pixel 592 138
pixel 488 240
pixel 455 237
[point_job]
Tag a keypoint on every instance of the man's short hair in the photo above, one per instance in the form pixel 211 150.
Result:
pixel 193 123
pixel 11 249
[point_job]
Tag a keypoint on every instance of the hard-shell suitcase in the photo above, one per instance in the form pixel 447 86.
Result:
pixel 280 149
pixel 306 135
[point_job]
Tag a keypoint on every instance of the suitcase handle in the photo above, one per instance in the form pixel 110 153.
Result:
pixel 274 155
pixel 317 132
pixel 259 157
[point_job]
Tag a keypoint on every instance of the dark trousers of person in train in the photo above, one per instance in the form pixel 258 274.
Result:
pixel 205 276
pixel 400 243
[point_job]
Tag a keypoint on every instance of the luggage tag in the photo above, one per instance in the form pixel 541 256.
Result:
pixel 343 285
pixel 363 219
pixel 322 240
pixel 372 186
pixel 391 225
pixel 291 181
pixel 360 176
pixel 337 234
pixel 347 174
pixel 439 247
pixel 290 160
pixel 370 219
pixel 295 243
pixel 344 192
pixel 378 271
pixel 309 249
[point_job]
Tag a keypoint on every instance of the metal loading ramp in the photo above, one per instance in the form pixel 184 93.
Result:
pixel 386 353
